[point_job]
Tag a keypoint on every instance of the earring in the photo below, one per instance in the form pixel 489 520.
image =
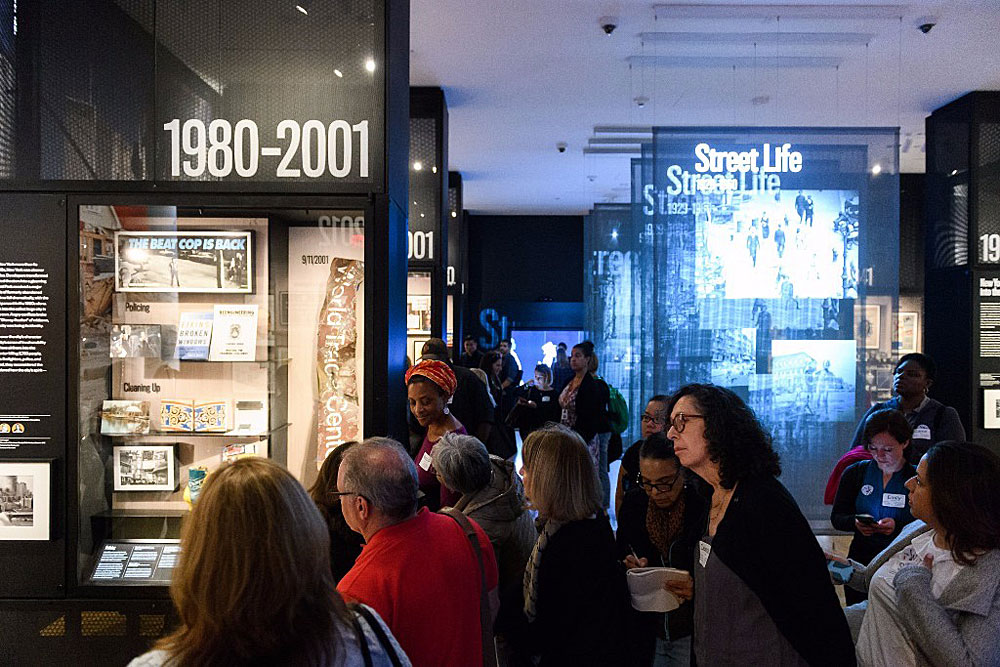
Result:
pixel 446 409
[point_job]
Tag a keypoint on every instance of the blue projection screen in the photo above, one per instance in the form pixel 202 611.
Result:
pixel 760 259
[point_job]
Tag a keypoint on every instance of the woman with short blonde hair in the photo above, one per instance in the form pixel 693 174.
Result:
pixel 559 475
pixel 253 584
pixel 575 597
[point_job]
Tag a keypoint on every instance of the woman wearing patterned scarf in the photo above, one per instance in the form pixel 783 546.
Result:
pixel 575 597
pixel 429 387
pixel 659 526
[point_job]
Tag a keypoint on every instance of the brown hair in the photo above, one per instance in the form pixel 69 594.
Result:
pixel 963 479
pixel 324 488
pixel 887 421
pixel 563 483
pixel 253 584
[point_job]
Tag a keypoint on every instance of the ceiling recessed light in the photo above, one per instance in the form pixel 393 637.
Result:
pixel 418 165
pixel 340 75
pixel 641 101
pixel 422 215
pixel 454 214
pixel 370 65
pixel 434 170
pixel 302 8
pixel 877 169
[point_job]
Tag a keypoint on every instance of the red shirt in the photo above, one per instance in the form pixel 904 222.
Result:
pixel 422 577
pixel 859 453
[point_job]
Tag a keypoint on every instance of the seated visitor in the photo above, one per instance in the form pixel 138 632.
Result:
pixel 654 420
pixel 575 599
pixel 418 569
pixel 931 420
pixel 659 526
pixel 429 386
pixel 935 597
pixel 253 583
pixel 763 587
pixel 345 544
pixel 875 489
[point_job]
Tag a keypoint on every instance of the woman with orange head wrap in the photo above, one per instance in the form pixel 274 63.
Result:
pixel 429 386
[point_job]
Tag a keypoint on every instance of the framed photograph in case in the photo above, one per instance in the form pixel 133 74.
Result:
pixel 145 468
pixel 25 500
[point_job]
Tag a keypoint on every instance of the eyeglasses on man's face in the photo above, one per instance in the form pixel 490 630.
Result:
pixel 659 487
pixel 680 420
pixel 652 419
pixel 341 494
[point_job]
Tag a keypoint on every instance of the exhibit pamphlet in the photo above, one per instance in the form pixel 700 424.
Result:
pixel 125 418
pixel 188 415
pixel 645 584
pixel 194 336
pixel 235 333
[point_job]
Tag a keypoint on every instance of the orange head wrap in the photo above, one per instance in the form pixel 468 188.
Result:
pixel 437 372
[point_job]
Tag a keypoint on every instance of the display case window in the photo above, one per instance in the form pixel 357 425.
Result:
pixel 418 312
pixel 204 339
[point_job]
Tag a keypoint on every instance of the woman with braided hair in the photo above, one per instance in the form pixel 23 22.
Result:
pixel 429 387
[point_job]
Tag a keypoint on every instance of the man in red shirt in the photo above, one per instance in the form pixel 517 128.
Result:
pixel 418 570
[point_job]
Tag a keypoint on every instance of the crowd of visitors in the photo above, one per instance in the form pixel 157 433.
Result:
pixel 443 553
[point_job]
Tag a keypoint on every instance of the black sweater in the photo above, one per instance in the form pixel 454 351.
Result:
pixel 592 408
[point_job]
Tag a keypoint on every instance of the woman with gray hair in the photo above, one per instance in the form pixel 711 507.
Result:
pixel 492 495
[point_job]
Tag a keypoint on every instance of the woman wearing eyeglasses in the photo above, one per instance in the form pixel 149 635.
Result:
pixel 875 489
pixel 654 420
pixel 764 593
pixel 659 526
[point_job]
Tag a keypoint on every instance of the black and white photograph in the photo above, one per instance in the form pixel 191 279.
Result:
pixel 145 468
pixel 135 340
pixel 195 262
pixel 24 501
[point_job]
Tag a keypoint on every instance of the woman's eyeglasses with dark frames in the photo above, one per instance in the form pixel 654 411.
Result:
pixel 680 420
pixel 661 487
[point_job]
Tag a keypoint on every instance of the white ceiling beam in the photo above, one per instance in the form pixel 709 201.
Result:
pixel 841 11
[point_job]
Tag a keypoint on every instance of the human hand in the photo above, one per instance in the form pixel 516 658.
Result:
pixel 886 526
pixel 865 529
pixel 682 588
pixel 633 562
pixel 836 558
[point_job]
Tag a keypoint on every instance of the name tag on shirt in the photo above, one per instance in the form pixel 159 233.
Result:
pixel 704 551
pixel 545 399
pixel 426 461
pixel 897 500
pixel 922 432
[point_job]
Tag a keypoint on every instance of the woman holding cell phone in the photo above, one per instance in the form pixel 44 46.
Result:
pixel 872 496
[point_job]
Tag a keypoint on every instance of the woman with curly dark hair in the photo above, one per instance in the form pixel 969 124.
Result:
pixel 764 593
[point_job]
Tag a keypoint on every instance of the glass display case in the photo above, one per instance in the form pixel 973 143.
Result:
pixel 206 335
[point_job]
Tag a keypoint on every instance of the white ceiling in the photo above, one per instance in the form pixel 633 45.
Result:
pixel 522 75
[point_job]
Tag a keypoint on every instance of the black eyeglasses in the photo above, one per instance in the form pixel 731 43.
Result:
pixel 660 487
pixel 341 494
pixel 680 420
pixel 648 418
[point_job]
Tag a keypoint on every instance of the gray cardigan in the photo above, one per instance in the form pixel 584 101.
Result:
pixel 962 627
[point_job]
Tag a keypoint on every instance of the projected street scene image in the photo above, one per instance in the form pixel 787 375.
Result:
pixel 798 243
pixel 815 378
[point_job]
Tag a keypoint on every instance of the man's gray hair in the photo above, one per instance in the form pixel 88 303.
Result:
pixel 463 462
pixel 381 471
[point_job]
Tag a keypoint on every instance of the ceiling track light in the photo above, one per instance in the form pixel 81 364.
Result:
pixel 303 6
pixel 811 11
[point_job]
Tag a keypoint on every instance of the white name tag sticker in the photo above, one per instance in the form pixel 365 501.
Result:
pixel 922 432
pixel 704 551
pixel 426 461
pixel 897 500
pixel 545 399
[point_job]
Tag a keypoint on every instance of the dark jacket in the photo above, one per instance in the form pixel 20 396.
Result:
pixel 582 598
pixel 632 537
pixel 767 542
pixel 530 419
pixel 470 361
pixel 864 549
pixel 592 408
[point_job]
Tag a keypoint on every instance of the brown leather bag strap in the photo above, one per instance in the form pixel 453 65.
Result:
pixel 489 648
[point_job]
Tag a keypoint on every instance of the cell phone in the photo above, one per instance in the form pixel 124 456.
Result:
pixel 841 571
pixel 866 519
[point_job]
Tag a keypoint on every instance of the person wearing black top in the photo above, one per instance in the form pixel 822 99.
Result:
pixel 584 402
pixel 345 544
pixel 562 373
pixel 471 357
pixel 659 526
pixel 654 420
pixel 540 405
pixel 876 488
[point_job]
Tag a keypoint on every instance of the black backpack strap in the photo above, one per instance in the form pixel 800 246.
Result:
pixel 383 639
pixel 366 654
pixel 489 648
